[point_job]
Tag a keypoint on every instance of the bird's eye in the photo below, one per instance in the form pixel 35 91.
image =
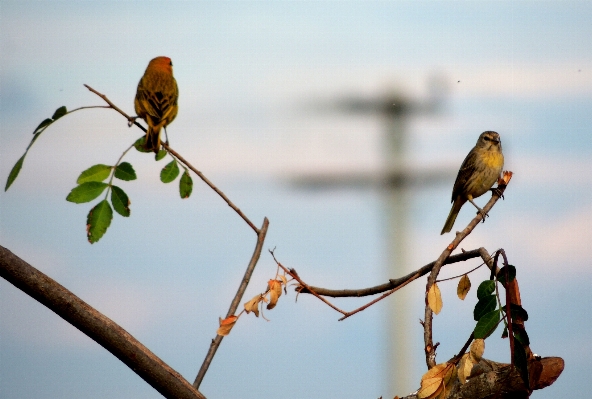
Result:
pixel 171 63
pixel 487 138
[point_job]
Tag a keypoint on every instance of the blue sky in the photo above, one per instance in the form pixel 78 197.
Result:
pixel 250 75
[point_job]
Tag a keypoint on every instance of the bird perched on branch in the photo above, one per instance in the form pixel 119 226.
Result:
pixel 478 173
pixel 156 99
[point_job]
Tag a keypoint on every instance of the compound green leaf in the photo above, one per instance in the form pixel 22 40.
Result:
pixel 86 192
pixel 97 172
pixel 125 171
pixel 98 221
pixel 120 201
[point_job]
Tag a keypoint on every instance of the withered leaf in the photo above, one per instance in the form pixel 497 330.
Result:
pixel 464 286
pixel 226 325
pixel 477 349
pixel 435 298
pixel 253 304
pixel 275 291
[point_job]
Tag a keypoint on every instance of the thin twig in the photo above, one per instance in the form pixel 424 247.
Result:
pixel 295 276
pixel 181 159
pixel 234 304
pixel 212 186
pixel 393 283
pixel 430 351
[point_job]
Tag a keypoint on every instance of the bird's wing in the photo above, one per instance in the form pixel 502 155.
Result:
pixel 464 173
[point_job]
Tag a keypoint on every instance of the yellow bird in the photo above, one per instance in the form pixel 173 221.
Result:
pixel 478 173
pixel 156 99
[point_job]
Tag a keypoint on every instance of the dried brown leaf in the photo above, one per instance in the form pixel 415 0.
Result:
pixel 464 286
pixel 253 304
pixel 432 382
pixel 435 298
pixel 477 349
pixel 464 368
pixel 275 291
pixel 226 325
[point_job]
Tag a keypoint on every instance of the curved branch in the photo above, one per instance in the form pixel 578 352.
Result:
pixel 430 350
pixel 96 326
pixel 393 283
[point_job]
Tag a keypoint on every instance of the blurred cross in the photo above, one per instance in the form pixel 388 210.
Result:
pixel 395 180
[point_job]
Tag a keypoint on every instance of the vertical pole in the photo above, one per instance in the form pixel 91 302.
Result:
pixel 396 202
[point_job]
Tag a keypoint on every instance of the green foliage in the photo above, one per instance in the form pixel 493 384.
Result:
pixel 486 288
pixel 140 144
pixel 487 324
pixel 36 133
pixel 169 172
pixel 484 306
pixel 98 220
pixel 120 201
pixel 125 171
pixel 161 154
pixel 14 172
pixel 95 173
pixel 185 185
pixel 86 192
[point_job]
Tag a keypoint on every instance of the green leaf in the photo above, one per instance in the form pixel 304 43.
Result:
pixel 120 201
pixel 486 288
pixel 485 305
pixel 59 113
pixel 125 171
pixel 521 363
pixel 98 220
pixel 97 172
pixel 14 172
pixel 169 172
pixel 501 276
pixel 505 332
pixel 140 144
pixel 43 124
pixel 486 324
pixel 161 154
pixel 185 185
pixel 86 192
pixel 520 334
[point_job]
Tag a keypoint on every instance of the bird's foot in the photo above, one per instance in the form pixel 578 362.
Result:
pixel 497 191
pixel 131 120
pixel 483 214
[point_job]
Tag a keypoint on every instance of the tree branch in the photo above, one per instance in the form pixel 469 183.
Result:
pixel 96 326
pixel 181 159
pixel 393 283
pixel 235 302
pixel 430 350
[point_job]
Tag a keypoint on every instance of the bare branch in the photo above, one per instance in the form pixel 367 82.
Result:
pixel 393 283
pixel 234 304
pixel 430 351
pixel 96 326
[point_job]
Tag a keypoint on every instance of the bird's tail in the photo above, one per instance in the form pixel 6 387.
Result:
pixel 153 138
pixel 458 203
